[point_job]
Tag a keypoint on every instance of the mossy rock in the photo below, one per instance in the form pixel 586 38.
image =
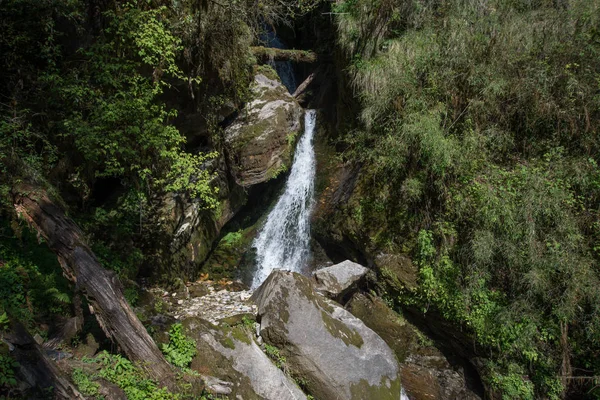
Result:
pixel 261 140
pixel 334 353
pixel 229 354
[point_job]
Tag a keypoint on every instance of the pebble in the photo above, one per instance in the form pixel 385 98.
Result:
pixel 215 305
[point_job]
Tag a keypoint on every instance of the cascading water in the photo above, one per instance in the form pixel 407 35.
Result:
pixel 284 68
pixel 283 242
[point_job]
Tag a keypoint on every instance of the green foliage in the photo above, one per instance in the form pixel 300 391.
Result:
pixel 275 355
pixel 131 379
pixel 4 321
pixel 83 382
pixel 478 147
pixel 7 371
pixel 31 281
pixel 247 322
pixel 116 120
pixel 512 385
pixel 180 350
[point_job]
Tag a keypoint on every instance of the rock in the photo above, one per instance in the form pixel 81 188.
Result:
pixel 229 355
pixel 392 328
pixel 427 374
pixel 217 386
pixel 66 333
pixel 89 348
pixel 397 270
pixel 260 141
pixel 198 290
pixel 38 339
pixel 191 227
pixel 340 279
pixel 334 354
pixel 110 390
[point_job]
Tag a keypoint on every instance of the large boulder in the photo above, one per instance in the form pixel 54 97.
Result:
pixel 340 279
pixel 260 141
pixel 232 364
pixel 427 374
pixel 330 351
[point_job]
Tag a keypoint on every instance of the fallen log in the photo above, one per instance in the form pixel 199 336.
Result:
pixel 35 367
pixel 269 54
pixel 101 287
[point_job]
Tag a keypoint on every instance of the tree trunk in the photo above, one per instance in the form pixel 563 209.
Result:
pixel 266 54
pixel 101 287
pixel 39 371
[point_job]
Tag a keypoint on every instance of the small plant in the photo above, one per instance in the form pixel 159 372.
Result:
pixel 132 380
pixel 4 322
pixel 159 306
pixel 247 322
pixel 7 371
pixel 84 382
pixel 180 350
pixel 132 296
pixel 275 355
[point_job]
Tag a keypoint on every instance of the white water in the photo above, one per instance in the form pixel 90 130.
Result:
pixel 403 395
pixel 283 242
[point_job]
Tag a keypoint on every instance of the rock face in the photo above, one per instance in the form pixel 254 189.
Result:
pixel 340 279
pixel 232 364
pixel 190 228
pixel 261 139
pixel 328 349
pixel 427 374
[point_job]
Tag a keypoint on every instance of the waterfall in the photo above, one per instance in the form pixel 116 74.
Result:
pixel 283 242
pixel 284 68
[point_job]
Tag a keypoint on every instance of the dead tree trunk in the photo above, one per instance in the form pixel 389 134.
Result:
pixel 101 287
pixel 266 54
pixel 36 369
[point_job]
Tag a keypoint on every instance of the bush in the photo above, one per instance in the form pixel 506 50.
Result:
pixel 180 350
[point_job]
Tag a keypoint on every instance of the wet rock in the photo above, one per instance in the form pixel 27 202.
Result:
pixel 260 141
pixel 237 364
pixel 330 350
pixel 339 279
pixel 427 374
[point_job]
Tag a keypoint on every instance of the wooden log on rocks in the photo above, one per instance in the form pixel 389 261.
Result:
pixel 266 54
pixel 101 287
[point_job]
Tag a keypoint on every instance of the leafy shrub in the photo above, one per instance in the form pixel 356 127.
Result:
pixel 132 380
pixel 85 385
pixel 275 355
pixel 7 371
pixel 180 350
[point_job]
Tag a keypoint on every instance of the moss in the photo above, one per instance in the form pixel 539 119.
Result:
pixel 284 313
pixel 339 330
pixel 240 334
pixel 226 341
pixel 391 327
pixel 274 172
pixel 303 284
pixel 386 390
pixel 267 71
